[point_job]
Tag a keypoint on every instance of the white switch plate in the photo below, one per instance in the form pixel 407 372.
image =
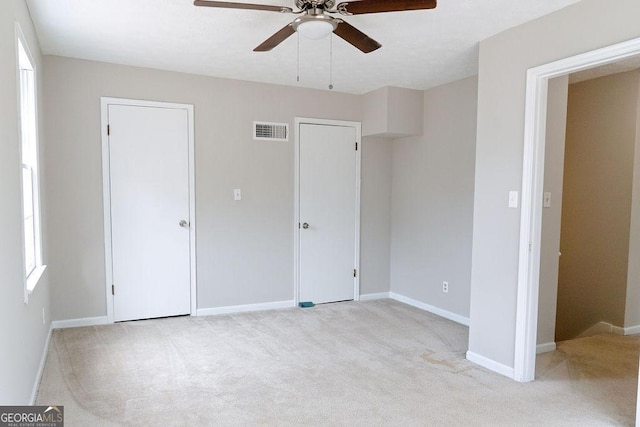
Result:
pixel 513 199
pixel 546 201
pixel 237 194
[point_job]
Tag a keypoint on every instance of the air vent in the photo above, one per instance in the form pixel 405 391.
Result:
pixel 265 131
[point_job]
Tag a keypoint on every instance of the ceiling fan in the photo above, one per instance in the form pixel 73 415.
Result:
pixel 316 20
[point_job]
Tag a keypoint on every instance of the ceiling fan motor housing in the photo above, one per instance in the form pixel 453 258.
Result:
pixel 315 4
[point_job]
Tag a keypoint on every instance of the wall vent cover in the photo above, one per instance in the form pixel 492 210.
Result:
pixel 265 131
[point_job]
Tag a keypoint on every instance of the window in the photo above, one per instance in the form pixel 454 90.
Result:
pixel 29 158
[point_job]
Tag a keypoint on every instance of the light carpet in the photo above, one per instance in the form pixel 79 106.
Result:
pixel 355 363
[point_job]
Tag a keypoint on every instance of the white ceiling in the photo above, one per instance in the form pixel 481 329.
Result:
pixel 420 49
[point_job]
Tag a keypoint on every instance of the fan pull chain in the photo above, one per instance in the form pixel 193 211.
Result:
pixel 330 61
pixel 298 60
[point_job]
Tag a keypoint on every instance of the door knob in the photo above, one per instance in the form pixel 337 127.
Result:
pixel 183 224
pixel 305 225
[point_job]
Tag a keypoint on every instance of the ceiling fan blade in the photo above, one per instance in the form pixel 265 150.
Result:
pixel 357 38
pixel 275 39
pixel 377 6
pixel 231 5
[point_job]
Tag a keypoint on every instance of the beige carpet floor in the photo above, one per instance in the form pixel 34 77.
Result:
pixel 357 364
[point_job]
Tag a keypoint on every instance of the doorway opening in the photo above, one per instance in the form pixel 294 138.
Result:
pixel 597 211
pixel 533 188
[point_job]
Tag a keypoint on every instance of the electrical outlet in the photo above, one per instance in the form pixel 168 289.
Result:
pixel 44 321
pixel 445 287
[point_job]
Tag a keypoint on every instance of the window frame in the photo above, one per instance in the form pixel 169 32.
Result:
pixel 23 52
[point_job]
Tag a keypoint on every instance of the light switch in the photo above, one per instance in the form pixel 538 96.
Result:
pixel 513 199
pixel 237 194
pixel 546 201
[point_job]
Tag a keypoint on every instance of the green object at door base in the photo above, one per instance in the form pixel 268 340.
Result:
pixel 306 304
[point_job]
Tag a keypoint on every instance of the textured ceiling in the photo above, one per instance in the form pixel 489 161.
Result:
pixel 420 49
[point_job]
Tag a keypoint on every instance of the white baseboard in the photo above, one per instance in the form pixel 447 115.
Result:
pixel 492 365
pixel 76 323
pixel 608 328
pixel 244 308
pixel 545 348
pixel 617 330
pixel 379 295
pixel 430 308
pixel 602 328
pixel 43 360
pixel 632 330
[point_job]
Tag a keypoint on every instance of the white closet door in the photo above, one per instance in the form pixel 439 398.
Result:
pixel 149 169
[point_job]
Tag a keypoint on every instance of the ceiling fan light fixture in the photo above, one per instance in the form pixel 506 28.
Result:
pixel 315 27
pixel 315 30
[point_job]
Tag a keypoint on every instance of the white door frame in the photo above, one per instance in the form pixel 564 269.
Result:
pixel 532 192
pixel 106 192
pixel 296 216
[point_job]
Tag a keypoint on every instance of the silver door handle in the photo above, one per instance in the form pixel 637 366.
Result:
pixel 305 225
pixel 183 224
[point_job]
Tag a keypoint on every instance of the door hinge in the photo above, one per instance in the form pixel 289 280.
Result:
pixel 356 145
pixel 354 272
pixel 108 130
pixel 113 289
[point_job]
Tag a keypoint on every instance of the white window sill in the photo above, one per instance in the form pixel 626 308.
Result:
pixel 34 278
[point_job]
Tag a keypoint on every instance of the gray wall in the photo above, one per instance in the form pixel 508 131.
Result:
pixel 432 201
pixel 504 60
pixel 232 236
pixel 550 239
pixel 596 214
pixel 392 112
pixel 632 309
pixel 22 332
pixel 375 217
pixel 245 249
